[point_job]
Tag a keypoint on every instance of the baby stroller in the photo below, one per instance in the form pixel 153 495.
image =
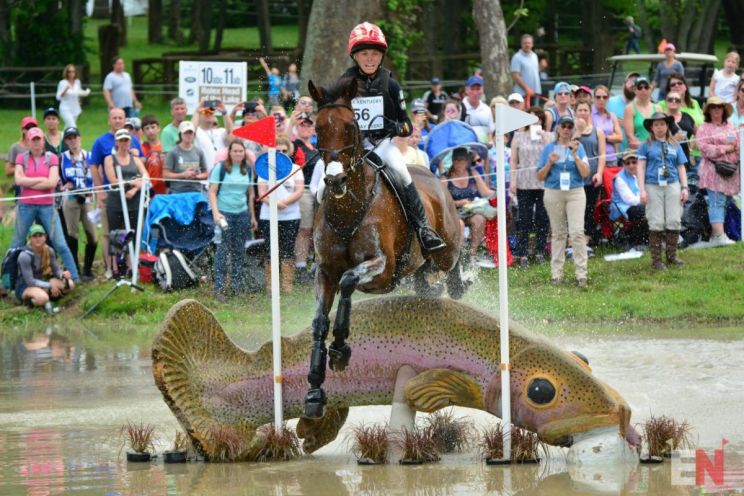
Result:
pixel 181 223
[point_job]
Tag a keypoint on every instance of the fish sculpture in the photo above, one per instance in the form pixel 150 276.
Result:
pixel 214 387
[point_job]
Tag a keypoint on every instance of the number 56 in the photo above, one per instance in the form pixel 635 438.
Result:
pixel 361 114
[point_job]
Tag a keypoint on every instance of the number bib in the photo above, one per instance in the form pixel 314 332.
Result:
pixel 565 181
pixel 369 112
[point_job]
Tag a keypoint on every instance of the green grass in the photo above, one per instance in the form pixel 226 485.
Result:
pixel 707 292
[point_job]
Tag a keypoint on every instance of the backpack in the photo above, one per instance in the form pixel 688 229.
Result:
pixel 172 272
pixel 10 267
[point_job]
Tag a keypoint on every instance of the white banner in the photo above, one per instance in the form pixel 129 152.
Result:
pixel 225 81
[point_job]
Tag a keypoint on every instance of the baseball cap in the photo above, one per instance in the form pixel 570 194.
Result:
pixel 632 74
pixel 28 121
pixel 585 89
pixel 670 46
pixel 135 122
pixel 70 131
pixel 561 87
pixel 629 153
pixel 34 132
pixel 564 119
pixel 641 80
pixel 435 81
pixel 51 111
pixel 35 229
pixel 305 116
pixel 473 80
pixel 418 106
pixel 516 97
pixel 186 126
pixel 122 134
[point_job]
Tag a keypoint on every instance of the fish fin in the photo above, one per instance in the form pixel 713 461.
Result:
pixel 316 433
pixel 194 364
pixel 438 388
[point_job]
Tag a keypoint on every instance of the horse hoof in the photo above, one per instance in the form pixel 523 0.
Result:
pixel 338 356
pixel 315 401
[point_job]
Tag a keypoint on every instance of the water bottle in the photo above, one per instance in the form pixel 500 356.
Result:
pixel 217 235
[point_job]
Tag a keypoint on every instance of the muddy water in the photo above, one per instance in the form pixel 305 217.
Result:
pixel 63 401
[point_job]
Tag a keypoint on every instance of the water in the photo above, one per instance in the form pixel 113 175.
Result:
pixel 63 402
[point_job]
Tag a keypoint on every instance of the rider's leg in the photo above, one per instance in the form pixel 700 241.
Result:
pixel 391 155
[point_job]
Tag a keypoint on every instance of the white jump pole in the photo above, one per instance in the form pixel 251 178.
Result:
pixel 32 90
pixel 138 236
pixel 275 300
pixel 125 210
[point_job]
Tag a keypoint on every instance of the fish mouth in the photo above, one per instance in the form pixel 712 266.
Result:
pixel 561 432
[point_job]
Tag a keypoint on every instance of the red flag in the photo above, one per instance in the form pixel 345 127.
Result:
pixel 262 131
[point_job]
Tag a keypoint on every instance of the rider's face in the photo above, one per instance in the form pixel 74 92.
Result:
pixel 368 60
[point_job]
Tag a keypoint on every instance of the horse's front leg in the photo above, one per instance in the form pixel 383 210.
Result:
pixel 339 351
pixel 315 399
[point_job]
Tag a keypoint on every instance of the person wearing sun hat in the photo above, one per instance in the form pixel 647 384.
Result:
pixel 40 279
pixel 718 141
pixel 670 65
pixel 662 182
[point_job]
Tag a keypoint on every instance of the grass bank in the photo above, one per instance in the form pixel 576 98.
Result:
pixel 707 292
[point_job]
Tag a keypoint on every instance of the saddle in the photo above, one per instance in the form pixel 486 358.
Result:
pixel 390 177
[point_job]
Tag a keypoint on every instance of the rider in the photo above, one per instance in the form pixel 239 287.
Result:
pixel 385 117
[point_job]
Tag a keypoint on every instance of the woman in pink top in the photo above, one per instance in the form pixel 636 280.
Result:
pixel 718 141
pixel 606 121
pixel 37 174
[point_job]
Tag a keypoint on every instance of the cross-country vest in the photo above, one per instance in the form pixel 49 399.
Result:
pixel 380 85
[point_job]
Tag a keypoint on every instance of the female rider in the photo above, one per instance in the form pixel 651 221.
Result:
pixel 387 118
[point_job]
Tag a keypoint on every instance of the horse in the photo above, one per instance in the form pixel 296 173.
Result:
pixel 361 236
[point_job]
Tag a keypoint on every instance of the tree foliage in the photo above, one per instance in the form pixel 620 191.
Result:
pixel 43 34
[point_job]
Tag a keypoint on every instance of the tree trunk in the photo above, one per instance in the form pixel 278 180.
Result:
pixel 489 20
pixel 195 8
pixel 302 16
pixel 101 9
pixel 154 21
pixel 264 26
pixel 6 45
pixel 220 28
pixel 734 12
pixel 203 24
pixel 108 36
pixel 642 20
pixel 117 18
pixel 705 28
pixel 325 56
pixel 76 17
pixel 174 22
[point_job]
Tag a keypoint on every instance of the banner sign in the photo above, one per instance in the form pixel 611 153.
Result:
pixel 208 80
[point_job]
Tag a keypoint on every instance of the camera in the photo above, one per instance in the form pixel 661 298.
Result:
pixel 249 107
pixel 212 104
pixel 119 239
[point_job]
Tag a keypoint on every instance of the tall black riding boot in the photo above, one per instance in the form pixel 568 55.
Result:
pixel 429 239
pixel 72 244
pixel 90 256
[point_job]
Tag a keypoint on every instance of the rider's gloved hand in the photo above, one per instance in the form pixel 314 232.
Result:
pixel 402 129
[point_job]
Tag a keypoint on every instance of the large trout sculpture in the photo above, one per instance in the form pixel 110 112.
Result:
pixel 212 385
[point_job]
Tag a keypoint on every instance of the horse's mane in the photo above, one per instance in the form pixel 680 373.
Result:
pixel 336 90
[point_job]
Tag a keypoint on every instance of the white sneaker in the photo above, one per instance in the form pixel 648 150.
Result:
pixel 721 240
pixel 108 274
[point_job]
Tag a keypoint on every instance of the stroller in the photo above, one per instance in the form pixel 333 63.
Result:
pixel 181 222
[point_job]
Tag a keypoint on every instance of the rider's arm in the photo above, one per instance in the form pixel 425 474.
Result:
pixel 404 126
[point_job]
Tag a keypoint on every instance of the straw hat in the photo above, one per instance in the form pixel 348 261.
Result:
pixel 717 101
pixel 657 116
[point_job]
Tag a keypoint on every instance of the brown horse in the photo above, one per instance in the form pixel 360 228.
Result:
pixel 362 239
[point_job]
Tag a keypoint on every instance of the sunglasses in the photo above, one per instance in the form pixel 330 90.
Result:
pixel 563 93
pixel 38 235
pixel 567 126
pixel 674 100
pixel 601 97
pixel 630 161
pixel 643 87
pixel 282 150
pixel 677 83
pixel 36 138
pixel 714 107
pixel 305 102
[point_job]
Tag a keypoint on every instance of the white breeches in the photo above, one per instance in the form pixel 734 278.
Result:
pixel 390 154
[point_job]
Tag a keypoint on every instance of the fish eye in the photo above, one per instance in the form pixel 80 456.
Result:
pixel 580 356
pixel 541 391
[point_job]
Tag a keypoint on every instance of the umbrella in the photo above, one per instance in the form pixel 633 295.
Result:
pixel 450 135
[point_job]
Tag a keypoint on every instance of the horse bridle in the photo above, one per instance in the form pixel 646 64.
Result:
pixel 333 153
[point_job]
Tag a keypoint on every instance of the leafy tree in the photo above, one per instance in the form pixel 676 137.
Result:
pixel 43 33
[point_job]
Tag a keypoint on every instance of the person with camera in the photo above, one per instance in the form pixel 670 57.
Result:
pixel 563 166
pixel 40 280
pixel 186 163
pixel 662 182
pixel 210 137
pixel 229 187
pixel 77 184
pixel 132 172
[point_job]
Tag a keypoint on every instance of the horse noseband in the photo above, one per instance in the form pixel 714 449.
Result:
pixel 334 168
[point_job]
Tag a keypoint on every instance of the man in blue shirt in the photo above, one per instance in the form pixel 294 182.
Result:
pixel 525 71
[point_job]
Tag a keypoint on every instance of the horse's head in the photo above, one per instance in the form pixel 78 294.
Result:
pixel 339 139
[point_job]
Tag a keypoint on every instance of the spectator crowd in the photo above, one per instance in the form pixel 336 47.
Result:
pixel 595 167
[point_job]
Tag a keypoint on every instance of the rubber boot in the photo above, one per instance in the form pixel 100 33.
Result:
pixel 428 238
pixel 654 246
pixel 672 238
pixel 72 244
pixel 90 256
pixel 288 274
pixel 267 275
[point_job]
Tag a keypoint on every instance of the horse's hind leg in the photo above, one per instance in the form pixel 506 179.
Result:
pixel 421 285
pixel 456 286
pixel 339 351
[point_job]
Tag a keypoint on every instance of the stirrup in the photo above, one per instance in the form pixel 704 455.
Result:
pixel 430 240
pixel 338 356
